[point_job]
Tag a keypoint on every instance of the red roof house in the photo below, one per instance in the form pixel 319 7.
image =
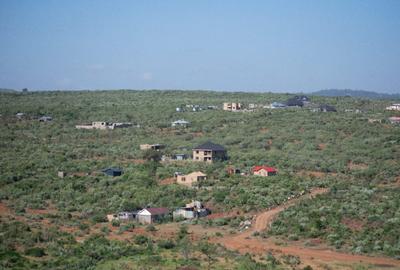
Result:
pixel 264 171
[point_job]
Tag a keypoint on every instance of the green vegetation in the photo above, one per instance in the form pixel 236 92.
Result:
pixel 357 160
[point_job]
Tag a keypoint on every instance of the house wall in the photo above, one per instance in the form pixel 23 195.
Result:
pixel 189 179
pixel 183 213
pixel 84 127
pixel 145 146
pixel 208 156
pixel 232 106
pixel 263 172
pixel 144 219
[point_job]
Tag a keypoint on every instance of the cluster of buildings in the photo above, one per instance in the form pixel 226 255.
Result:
pixel 150 215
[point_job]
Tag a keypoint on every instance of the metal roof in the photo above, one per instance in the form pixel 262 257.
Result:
pixel 210 146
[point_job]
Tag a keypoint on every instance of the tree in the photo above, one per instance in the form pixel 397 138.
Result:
pixel 208 250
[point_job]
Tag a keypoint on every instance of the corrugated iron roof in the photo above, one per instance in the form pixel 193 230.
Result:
pixel 210 146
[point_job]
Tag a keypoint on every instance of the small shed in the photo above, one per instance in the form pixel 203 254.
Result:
pixel 113 171
pixel 180 156
pixel 151 215
pixel 20 115
pixel 61 174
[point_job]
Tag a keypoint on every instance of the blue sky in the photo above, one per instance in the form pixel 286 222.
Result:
pixel 220 45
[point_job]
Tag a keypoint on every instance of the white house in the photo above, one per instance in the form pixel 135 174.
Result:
pixel 151 215
pixel 393 107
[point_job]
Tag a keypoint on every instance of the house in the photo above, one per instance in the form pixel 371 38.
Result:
pixel 151 215
pixel 190 179
pixel 264 171
pixel 45 119
pixel 277 105
pixel 20 115
pixel 156 147
pixel 196 108
pixel 61 174
pixel 393 107
pixel 179 109
pixel 232 106
pixel 294 102
pixel 394 120
pixel 180 123
pixel 302 98
pixel 113 172
pixel 327 108
pixel 180 157
pixel 209 152
pixel 374 120
pixel 103 125
pixel 123 216
pixel 232 170
pixel 192 210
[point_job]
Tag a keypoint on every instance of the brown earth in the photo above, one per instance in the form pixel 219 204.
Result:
pixel 167 181
pixel 321 146
pixel 315 257
pixel 357 166
pixel 353 224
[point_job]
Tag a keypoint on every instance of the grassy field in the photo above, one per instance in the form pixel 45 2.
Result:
pixel 47 222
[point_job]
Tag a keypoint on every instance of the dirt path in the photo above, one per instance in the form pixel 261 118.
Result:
pixel 316 257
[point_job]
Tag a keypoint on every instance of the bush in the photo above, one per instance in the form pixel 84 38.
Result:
pixel 35 252
pixel 141 239
pixel 151 228
pixel 166 244
pixel 115 223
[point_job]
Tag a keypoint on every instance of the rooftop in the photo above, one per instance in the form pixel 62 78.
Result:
pixel 268 169
pixel 210 146
pixel 157 211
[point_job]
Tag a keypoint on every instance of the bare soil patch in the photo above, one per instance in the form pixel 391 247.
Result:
pixel 167 181
pixel 352 224
pixel 316 257
pixel 357 166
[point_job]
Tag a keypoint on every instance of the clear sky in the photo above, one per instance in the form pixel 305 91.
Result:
pixel 264 45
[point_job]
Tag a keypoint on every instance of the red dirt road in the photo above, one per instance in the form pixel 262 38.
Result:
pixel 316 257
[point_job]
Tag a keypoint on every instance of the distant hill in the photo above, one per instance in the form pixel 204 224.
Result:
pixel 355 93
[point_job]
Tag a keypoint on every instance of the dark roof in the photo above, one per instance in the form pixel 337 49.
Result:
pixel 302 98
pixel 210 146
pixel 326 107
pixel 114 170
pixel 294 102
